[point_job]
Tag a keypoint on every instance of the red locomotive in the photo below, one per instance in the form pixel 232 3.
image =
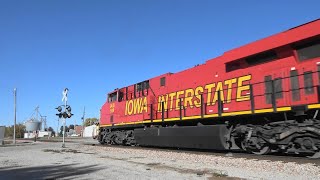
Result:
pixel 260 97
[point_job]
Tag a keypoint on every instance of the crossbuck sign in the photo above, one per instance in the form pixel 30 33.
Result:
pixel 65 94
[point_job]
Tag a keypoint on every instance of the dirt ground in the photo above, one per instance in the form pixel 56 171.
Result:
pixel 84 159
pixel 48 160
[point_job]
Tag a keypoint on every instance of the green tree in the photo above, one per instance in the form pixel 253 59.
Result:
pixel 51 129
pixel 90 121
pixel 71 126
pixel 61 130
pixel 20 130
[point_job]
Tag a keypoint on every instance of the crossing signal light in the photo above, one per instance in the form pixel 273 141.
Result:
pixel 68 108
pixel 60 115
pixel 69 115
pixel 66 114
pixel 68 111
pixel 59 109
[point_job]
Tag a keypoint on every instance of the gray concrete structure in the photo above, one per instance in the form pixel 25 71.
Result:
pixel 2 130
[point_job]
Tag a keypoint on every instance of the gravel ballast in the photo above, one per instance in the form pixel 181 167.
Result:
pixel 47 160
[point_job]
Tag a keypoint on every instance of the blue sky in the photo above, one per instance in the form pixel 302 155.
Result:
pixel 93 47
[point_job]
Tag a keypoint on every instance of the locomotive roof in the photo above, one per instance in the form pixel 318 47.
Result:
pixel 289 36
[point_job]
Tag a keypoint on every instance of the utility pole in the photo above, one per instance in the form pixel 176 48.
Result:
pixel 58 128
pixel 84 112
pixel 15 114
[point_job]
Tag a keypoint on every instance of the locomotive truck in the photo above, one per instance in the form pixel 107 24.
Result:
pixel 260 97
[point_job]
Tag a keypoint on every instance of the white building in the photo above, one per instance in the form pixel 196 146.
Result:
pixel 28 135
pixel 90 131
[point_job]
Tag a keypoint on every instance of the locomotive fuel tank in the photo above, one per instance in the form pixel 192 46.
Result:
pixel 198 137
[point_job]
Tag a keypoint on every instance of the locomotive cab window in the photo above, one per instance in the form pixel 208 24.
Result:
pixel 112 97
pixel 127 93
pixel 309 50
pixel 138 87
pixel 145 85
pixel 121 96
pixel 142 86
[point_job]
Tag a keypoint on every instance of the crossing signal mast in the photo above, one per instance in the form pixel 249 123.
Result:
pixel 66 113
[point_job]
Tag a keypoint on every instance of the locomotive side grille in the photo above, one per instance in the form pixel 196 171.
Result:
pixel 268 88
pixel 278 88
pixel 294 81
pixel 111 118
pixel 308 82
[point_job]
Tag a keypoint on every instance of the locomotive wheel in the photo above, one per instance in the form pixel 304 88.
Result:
pixel 101 139
pixel 261 151
pixel 101 142
pixel 243 146
pixel 118 138
pixel 240 142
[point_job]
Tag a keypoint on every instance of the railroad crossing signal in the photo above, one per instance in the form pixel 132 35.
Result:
pixel 65 114
pixel 67 109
